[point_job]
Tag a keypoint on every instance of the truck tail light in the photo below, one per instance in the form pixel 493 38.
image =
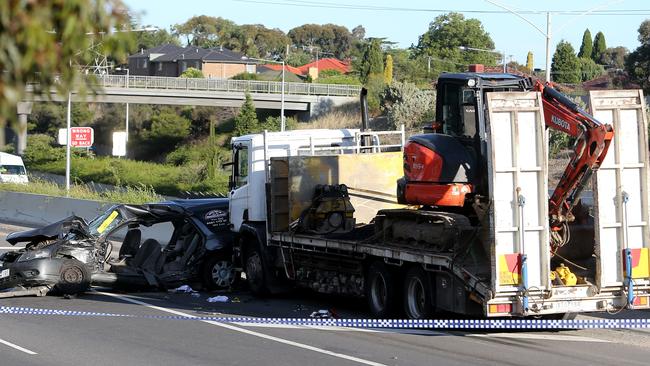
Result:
pixel 641 301
pixel 500 308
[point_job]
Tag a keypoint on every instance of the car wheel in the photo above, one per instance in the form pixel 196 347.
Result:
pixel 417 294
pixel 219 272
pixel 255 272
pixel 382 291
pixel 73 278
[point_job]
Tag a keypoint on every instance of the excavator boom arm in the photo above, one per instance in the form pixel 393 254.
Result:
pixel 589 151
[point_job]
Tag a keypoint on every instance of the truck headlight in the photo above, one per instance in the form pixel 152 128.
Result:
pixel 35 254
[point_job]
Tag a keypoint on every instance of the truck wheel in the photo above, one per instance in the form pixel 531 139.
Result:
pixel 417 294
pixel 381 290
pixel 74 278
pixel 218 272
pixel 255 272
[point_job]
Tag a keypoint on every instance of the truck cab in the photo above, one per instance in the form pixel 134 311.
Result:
pixel 249 171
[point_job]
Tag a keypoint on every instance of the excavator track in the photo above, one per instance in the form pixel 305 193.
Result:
pixel 423 229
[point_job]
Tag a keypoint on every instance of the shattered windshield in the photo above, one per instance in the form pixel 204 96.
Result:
pixel 105 222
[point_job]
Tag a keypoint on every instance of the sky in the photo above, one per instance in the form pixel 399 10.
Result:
pixel 403 22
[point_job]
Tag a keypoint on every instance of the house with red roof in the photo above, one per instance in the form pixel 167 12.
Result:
pixel 313 68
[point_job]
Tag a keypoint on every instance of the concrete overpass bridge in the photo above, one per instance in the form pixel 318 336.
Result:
pixel 304 98
pixel 299 97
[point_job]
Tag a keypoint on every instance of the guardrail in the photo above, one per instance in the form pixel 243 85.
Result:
pixel 225 85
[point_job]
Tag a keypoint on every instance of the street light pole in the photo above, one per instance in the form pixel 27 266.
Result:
pixel 548 47
pixel 282 122
pixel 127 108
pixel 126 84
pixel 67 146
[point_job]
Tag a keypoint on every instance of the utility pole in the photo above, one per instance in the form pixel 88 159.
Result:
pixel 548 47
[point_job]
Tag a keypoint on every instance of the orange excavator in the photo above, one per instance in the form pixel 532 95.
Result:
pixel 444 168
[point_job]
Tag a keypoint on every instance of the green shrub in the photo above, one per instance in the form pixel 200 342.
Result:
pixel 339 79
pixel 246 76
pixel 405 104
pixel 329 73
pixel 273 123
pixel 168 129
pixel 40 150
pixel 192 72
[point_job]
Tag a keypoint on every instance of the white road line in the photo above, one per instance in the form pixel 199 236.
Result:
pixel 546 337
pixel 15 346
pixel 428 332
pixel 10 248
pixel 245 331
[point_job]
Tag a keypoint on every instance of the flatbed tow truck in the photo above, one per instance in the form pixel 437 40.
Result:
pixel 475 232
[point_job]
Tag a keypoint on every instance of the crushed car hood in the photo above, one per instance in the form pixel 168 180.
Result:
pixel 51 231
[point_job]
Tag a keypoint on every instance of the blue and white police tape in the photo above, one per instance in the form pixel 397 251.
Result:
pixel 363 323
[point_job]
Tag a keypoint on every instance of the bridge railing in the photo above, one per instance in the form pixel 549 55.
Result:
pixel 226 85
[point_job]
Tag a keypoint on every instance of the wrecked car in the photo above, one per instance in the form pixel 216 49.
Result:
pixel 153 245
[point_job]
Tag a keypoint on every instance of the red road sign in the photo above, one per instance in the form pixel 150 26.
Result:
pixel 82 136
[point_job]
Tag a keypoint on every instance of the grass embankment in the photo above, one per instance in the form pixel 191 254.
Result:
pixel 162 178
pixel 191 167
pixel 133 195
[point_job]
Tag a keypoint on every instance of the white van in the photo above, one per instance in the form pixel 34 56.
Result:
pixel 12 169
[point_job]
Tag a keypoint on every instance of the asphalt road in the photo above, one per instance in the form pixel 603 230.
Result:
pixel 142 340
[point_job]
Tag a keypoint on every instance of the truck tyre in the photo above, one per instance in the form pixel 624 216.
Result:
pixel 74 278
pixel 382 290
pixel 218 272
pixel 418 299
pixel 255 272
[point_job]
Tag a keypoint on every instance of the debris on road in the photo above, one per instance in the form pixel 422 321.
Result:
pixel 321 314
pixel 219 298
pixel 185 289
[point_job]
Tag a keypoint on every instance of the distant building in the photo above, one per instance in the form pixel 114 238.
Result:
pixel 313 68
pixel 140 63
pixel 170 60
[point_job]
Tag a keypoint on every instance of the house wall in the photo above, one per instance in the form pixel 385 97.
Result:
pixel 169 69
pixel 139 66
pixel 224 71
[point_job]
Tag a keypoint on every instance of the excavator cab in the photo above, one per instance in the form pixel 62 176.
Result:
pixel 444 166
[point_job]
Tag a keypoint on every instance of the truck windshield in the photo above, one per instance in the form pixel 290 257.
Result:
pixel 12 169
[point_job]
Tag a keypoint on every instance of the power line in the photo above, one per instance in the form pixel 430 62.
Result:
pixel 333 5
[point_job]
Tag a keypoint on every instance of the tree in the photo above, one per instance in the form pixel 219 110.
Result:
pixel 599 46
pixel 388 70
pixel 406 67
pixel 150 39
pixel 372 62
pixel 587 46
pixel 298 58
pixel 638 62
pixel 168 129
pixel 614 57
pixel 359 32
pixel 328 38
pixel 246 121
pixel 530 65
pixel 589 69
pixel 191 72
pixel 564 67
pixel 446 34
pixel 207 31
pixel 40 40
